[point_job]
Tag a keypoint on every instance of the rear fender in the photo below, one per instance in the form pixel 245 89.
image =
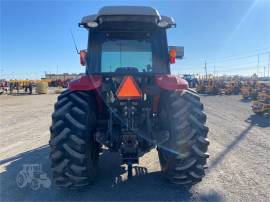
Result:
pixel 88 83
pixel 85 83
pixel 171 82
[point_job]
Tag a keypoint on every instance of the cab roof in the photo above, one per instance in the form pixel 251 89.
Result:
pixel 139 11
pixel 128 10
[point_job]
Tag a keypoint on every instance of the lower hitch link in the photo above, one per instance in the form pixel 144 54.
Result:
pixel 129 167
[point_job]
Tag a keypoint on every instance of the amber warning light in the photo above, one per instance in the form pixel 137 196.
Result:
pixel 128 89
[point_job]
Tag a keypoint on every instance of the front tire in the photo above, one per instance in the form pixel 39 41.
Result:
pixel 73 150
pixel 183 156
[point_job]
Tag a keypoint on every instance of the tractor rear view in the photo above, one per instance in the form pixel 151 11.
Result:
pixel 128 102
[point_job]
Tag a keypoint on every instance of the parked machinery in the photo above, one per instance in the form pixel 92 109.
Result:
pixel 210 86
pixel 262 104
pixel 201 86
pixel 251 89
pixel 191 79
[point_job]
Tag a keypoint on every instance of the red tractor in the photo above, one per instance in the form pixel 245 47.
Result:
pixel 128 102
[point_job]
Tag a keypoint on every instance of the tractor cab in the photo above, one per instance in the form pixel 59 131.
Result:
pixel 128 40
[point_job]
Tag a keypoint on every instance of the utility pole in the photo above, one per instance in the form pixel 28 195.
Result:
pixel 258 65
pixel 264 67
pixel 205 68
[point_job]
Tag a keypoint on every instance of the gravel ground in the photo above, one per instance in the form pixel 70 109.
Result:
pixel 239 168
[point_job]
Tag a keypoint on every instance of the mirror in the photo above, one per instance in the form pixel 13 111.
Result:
pixel 83 57
pixel 179 51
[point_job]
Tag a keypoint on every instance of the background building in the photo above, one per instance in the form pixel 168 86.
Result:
pixel 62 77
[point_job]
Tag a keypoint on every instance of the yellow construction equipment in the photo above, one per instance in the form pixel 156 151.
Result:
pixel 262 104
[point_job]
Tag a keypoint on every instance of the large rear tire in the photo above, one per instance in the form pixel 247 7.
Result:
pixel 183 156
pixel 73 150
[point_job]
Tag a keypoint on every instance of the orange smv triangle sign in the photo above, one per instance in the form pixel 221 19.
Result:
pixel 128 89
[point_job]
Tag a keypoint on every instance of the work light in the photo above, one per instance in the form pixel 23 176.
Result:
pixel 92 24
pixel 163 24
